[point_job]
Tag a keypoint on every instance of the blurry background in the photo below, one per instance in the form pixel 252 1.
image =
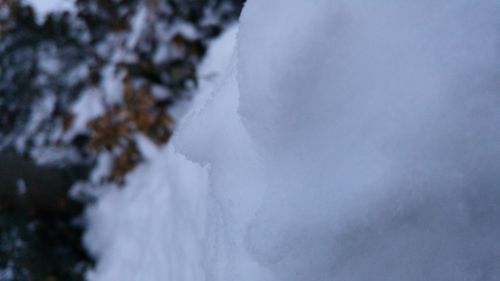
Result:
pixel 82 84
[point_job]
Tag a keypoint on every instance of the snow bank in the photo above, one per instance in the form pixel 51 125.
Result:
pixel 378 127
pixel 351 141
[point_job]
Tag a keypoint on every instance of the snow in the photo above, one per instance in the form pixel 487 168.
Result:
pixel 115 224
pixel 44 7
pixel 21 186
pixel 211 72
pixel 40 111
pixel 61 157
pixel 138 25
pixel 7 273
pixel 134 241
pixel 112 82
pixel 358 141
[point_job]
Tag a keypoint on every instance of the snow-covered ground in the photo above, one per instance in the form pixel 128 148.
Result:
pixel 349 140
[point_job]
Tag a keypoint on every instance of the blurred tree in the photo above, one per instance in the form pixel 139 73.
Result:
pixel 23 76
pixel 150 48
pixel 47 65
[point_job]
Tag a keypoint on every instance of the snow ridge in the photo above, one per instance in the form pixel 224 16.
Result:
pixel 358 141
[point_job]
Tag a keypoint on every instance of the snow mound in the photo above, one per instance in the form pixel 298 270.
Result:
pixel 350 141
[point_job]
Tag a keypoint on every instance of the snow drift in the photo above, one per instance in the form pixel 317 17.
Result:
pixel 351 140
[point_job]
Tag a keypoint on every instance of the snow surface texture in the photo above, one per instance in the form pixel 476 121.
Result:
pixel 351 140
